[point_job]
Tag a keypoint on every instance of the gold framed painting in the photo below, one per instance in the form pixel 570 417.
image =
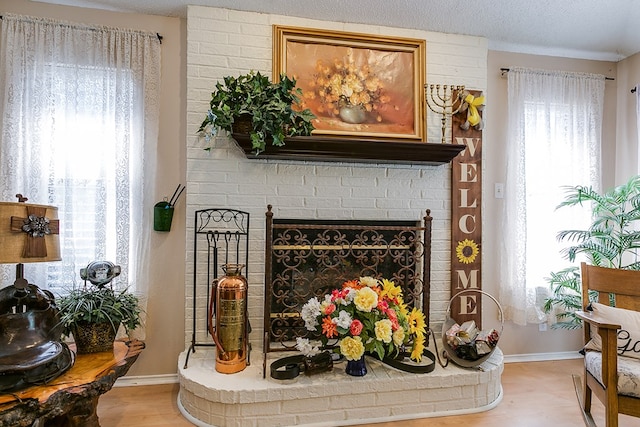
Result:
pixel 357 85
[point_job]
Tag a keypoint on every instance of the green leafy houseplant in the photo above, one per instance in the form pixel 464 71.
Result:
pixel 612 240
pixel 272 109
pixel 98 305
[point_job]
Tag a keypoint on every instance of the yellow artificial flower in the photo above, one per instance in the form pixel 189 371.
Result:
pixel 398 336
pixel 366 299
pixel 418 348
pixel 369 281
pixel 390 290
pixel 352 348
pixel 383 330
pixel 416 322
pixel 402 307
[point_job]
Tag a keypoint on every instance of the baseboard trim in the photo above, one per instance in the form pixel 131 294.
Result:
pixel 146 380
pixel 141 380
pixel 541 357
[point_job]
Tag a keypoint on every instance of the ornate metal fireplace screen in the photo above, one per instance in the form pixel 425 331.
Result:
pixel 307 258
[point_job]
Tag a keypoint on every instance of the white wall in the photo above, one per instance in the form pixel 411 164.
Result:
pixel 223 42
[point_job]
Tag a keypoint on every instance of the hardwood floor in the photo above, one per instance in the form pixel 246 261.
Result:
pixel 538 394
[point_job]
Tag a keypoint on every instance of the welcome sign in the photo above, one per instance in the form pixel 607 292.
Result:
pixel 466 223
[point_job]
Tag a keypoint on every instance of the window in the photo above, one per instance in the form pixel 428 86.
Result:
pixel 84 168
pixel 555 121
pixel 78 131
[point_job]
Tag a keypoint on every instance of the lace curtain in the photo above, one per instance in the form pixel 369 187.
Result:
pixel 554 135
pixel 637 93
pixel 78 130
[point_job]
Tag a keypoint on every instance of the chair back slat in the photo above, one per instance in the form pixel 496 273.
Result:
pixel 629 302
pixel 624 284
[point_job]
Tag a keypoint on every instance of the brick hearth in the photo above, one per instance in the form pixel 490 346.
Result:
pixel 208 398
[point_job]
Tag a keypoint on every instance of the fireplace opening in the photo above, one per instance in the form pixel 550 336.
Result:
pixel 306 258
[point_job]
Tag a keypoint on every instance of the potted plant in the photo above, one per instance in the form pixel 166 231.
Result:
pixel 94 312
pixel 612 240
pixel 269 111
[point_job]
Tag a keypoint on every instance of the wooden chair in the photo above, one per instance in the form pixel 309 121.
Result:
pixel 625 285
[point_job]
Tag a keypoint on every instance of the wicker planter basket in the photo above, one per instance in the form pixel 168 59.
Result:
pixel 93 337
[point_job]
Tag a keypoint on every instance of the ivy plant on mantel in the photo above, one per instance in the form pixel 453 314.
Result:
pixel 318 148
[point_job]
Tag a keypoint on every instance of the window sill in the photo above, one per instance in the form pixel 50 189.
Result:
pixel 328 149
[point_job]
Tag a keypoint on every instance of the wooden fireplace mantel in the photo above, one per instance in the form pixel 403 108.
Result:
pixel 322 148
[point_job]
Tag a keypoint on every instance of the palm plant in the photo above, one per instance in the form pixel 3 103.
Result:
pixel 612 240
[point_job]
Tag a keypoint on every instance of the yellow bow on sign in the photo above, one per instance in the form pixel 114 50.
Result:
pixel 473 116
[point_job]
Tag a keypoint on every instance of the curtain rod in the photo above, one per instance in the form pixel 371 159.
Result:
pixel 506 70
pixel 157 34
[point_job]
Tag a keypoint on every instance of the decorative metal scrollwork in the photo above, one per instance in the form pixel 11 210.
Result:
pixel 310 258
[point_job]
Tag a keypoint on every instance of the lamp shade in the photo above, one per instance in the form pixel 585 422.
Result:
pixel 28 233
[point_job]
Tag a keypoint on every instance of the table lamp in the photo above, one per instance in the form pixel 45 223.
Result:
pixel 28 233
pixel 31 347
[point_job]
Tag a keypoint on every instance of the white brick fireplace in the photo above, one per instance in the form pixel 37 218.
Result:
pixel 223 42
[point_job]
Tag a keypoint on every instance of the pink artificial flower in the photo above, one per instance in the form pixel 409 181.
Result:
pixel 393 316
pixel 330 309
pixel 395 325
pixel 356 328
pixel 383 306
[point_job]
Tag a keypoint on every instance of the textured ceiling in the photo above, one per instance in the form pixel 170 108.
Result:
pixel 590 29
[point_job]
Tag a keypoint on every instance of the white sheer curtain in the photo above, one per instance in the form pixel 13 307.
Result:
pixel 637 93
pixel 554 136
pixel 78 130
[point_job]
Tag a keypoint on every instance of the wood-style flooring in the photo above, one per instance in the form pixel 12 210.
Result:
pixel 536 394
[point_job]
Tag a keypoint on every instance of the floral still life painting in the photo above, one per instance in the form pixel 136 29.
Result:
pixel 356 84
pixel 355 89
pixel 366 316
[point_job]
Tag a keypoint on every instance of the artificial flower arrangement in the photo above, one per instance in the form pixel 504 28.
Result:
pixel 344 83
pixel 365 315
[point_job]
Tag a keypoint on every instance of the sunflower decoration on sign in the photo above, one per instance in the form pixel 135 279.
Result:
pixel 467 251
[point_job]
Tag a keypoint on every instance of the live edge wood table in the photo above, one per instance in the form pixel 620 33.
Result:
pixel 71 399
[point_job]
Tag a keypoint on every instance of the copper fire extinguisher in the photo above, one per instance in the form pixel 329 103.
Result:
pixel 228 304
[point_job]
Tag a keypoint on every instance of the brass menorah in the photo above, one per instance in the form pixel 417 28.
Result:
pixel 446 99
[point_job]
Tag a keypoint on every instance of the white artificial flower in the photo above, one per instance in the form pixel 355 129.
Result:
pixel 349 296
pixel 310 312
pixel 343 320
pixel 305 347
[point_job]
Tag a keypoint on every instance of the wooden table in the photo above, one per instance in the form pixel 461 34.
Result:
pixel 71 399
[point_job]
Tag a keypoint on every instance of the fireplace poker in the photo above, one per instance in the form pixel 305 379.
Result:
pixel 174 198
